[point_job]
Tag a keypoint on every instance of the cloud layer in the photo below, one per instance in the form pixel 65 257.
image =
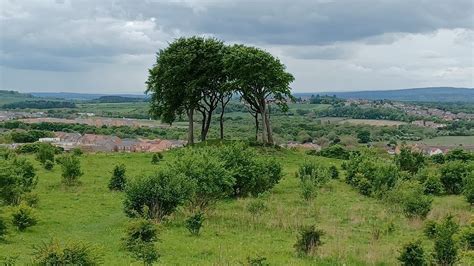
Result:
pixel 107 45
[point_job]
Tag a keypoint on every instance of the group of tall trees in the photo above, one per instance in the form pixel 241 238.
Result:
pixel 198 75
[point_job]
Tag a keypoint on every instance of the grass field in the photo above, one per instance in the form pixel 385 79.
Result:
pixel 373 122
pixel 450 140
pixel 91 213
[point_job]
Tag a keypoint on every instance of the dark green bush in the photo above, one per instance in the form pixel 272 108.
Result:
pixel 445 246
pixel 118 180
pixel 157 196
pixel 48 165
pixel 409 196
pixel 17 176
pixel 71 253
pixel 3 228
pixel 469 188
pixel 156 158
pixel 433 185
pixel 45 153
pixel 23 217
pixel 77 152
pixel 334 172
pixel 335 151
pixel 430 229
pixel 71 169
pixel 140 239
pixel 31 199
pixel 453 174
pixel 194 223
pixel 257 261
pixel 256 207
pixel 409 160
pixel 309 239
pixel 412 254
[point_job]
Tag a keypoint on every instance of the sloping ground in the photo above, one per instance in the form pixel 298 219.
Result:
pixel 230 234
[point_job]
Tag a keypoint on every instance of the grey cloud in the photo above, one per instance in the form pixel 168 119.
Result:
pixel 318 52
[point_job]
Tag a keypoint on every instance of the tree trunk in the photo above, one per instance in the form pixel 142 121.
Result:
pixel 264 124
pixel 269 128
pixel 191 127
pixel 221 123
pixel 203 126
pixel 207 124
pixel 256 126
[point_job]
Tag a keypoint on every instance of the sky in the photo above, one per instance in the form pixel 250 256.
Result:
pixel 107 46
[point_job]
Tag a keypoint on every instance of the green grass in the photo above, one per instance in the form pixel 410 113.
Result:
pixel 90 212
pixel 450 140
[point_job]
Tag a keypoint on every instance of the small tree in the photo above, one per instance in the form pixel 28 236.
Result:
pixel 156 158
pixel 71 253
pixel 45 153
pixel 412 254
pixel 118 180
pixel 140 239
pixel 17 176
pixel 48 165
pixel 309 239
pixel 334 172
pixel 453 174
pixel 23 217
pixel 194 223
pixel 409 160
pixel 469 188
pixel 445 246
pixel 71 169
pixel 157 196
pixel 363 136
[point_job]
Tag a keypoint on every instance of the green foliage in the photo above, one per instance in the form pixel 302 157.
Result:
pixel 308 189
pixel 71 169
pixel 257 207
pixel 453 174
pixel 433 185
pixel 257 261
pixel 438 158
pixel 48 165
pixel 17 176
pixel 45 153
pixel 409 160
pixel 467 237
pixel 194 223
pixel 371 175
pixel 23 217
pixel 409 195
pixel 202 167
pixel 252 173
pixel 334 151
pixel 156 158
pixel 29 136
pixel 334 172
pixel 364 136
pixel 139 240
pixel 445 246
pixel 158 195
pixel 77 152
pixel 412 254
pixel 430 229
pixel 309 239
pixel 315 173
pixel 3 228
pixel 459 155
pixel 469 188
pixel 39 104
pixel 71 253
pixel 118 180
pixel 31 199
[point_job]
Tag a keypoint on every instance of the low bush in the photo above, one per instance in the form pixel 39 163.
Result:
pixel 45 153
pixel 257 261
pixel 71 169
pixel 257 207
pixel 469 188
pixel 156 158
pixel 333 172
pixel 158 195
pixel 409 195
pixel 71 253
pixel 118 180
pixel 433 185
pixel 446 247
pixel 194 223
pixel 412 254
pixel 308 241
pixel 23 217
pixel 335 151
pixel 17 177
pixel 139 240
pixel 453 174
pixel 308 189
pixel 48 165
pixel 31 199
pixel 3 228
pixel 466 237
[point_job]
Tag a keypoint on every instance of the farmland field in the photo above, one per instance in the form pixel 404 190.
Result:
pixel 351 222
pixel 450 140
pixel 373 122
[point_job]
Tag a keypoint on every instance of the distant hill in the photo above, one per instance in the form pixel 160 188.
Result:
pixel 7 97
pixel 431 94
pixel 117 99
pixel 82 96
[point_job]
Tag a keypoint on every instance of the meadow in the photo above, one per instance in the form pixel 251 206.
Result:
pixel 358 230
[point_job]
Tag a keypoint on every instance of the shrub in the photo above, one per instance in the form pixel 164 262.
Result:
pixel 71 169
pixel 409 160
pixel 412 254
pixel 314 173
pixel 256 207
pixel 334 172
pixel 308 189
pixel 438 158
pixel 48 165
pixel 309 239
pixel 194 223
pixel 45 153
pixel 23 217
pixel 157 196
pixel 3 228
pixel 77 152
pixel 430 229
pixel 409 194
pixel 452 176
pixel 139 240
pixel 433 185
pixel 30 199
pixel 253 174
pixel 156 158
pixel 212 181
pixel 467 237
pixel 72 253
pixel 257 261
pixel 459 155
pixel 445 247
pixel 140 230
pixel 469 188
pixel 17 176
pixel 335 151
pixel 118 180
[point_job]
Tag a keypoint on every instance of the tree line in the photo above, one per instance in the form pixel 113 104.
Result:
pixel 198 75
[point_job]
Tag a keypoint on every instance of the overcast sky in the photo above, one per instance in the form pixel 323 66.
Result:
pixel 328 45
